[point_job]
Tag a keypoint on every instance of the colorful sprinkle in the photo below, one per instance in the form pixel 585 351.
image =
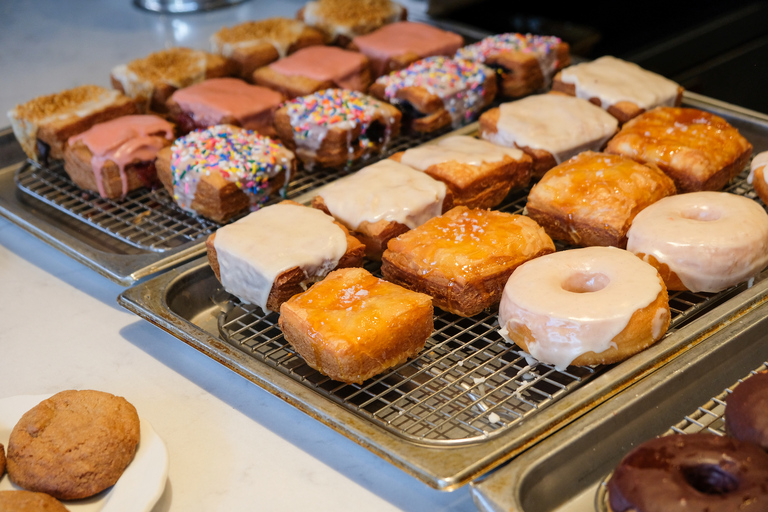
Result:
pixel 541 46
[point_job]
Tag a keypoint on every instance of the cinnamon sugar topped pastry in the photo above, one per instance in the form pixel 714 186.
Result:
pixel 152 79
pixel 525 62
pixel 396 45
pixel 254 44
pixel 439 91
pixel 341 20
pixel 697 149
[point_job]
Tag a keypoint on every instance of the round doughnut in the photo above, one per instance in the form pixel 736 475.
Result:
pixel 758 177
pixel 746 411
pixel 596 305
pixel 691 473
pixel 702 241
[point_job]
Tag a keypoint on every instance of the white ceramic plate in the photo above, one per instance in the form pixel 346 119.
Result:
pixel 137 490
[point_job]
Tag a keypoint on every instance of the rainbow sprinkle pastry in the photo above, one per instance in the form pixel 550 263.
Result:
pixel 239 156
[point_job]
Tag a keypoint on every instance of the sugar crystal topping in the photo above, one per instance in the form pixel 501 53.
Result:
pixel 271 29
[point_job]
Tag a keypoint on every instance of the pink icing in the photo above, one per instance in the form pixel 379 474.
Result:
pixel 124 140
pixel 324 63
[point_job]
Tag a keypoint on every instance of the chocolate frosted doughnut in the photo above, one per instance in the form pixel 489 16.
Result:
pixel 746 411
pixel 691 473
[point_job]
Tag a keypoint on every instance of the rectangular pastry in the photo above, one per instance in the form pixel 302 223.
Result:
pixel 223 170
pixel 316 68
pixel 462 259
pixel 398 44
pixel 697 149
pixel 277 252
pixel 254 44
pixel 336 126
pixel 383 200
pixel 117 156
pixel 352 325
pixel 525 62
pixel 550 128
pixel 623 88
pixel 152 79
pixel 478 174
pixel 592 198
pixel 342 20
pixel 438 91
pixel 224 101
pixel 43 125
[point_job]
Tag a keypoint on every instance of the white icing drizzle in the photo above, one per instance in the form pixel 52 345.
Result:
pixel 565 324
pixel 612 80
pixel 281 45
pixel 759 160
pixel 457 148
pixel 711 240
pixel 256 249
pixel 562 125
pixel 386 190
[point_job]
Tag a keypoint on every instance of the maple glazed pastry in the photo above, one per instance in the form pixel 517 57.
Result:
pixel 117 156
pixel 623 88
pixel 152 79
pixel 438 91
pixel 224 101
pixel 336 126
pixel 352 325
pixel 702 241
pixel 697 149
pixel 254 44
pixel 584 307
pixel 550 128
pixel 396 45
pixel 342 20
pixel 463 258
pixel 478 174
pixel 223 170
pixel 592 198
pixel 383 200
pixel 274 253
pixel 44 125
pixel 316 68
pixel 525 62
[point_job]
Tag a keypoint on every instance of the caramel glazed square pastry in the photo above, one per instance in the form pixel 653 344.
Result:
pixel 224 101
pixel 464 257
pixel 342 20
pixel 383 200
pixel 697 149
pixel 151 80
pixel 623 88
pixel 277 252
pixel 593 198
pixel 117 156
pixel 223 170
pixel 550 128
pixel 525 62
pixel 316 68
pixel 44 125
pixel 478 173
pixel 254 44
pixel 336 126
pixel 353 325
pixel 438 91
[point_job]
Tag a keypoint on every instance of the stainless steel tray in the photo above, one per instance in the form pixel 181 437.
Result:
pixel 468 402
pixel 567 471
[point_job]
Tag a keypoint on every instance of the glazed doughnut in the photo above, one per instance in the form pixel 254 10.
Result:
pixel 691 473
pixel 758 178
pixel 702 241
pixel 596 305
pixel 746 411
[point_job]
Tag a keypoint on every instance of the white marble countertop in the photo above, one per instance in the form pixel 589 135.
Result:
pixel 232 446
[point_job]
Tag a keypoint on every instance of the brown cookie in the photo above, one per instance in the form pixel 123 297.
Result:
pixel 74 444
pixel 2 459
pixel 27 501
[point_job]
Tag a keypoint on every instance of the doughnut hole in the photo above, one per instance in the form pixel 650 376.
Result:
pixel 585 282
pixel 701 213
pixel 710 479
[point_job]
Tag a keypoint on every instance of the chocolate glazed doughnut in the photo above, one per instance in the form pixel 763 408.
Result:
pixel 746 411
pixel 691 473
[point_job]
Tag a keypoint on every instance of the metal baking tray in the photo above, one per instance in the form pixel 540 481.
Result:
pixel 129 239
pixel 568 471
pixel 469 401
